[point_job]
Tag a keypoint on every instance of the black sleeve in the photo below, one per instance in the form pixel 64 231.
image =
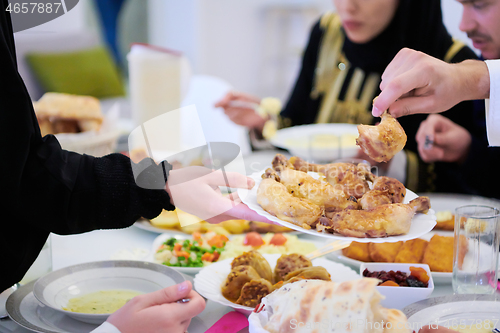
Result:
pixel 47 189
pixel 301 108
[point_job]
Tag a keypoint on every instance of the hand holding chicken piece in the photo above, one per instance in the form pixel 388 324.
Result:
pixel 383 141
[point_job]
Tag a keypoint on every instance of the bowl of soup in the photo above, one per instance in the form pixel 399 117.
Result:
pixel 90 292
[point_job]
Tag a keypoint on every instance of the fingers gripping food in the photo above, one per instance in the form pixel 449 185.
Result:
pixel 383 141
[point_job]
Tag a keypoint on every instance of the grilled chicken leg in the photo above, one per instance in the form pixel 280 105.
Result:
pixel 383 141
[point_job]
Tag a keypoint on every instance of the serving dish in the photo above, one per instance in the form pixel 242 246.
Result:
pixel 399 297
pixel 438 277
pixel 296 140
pixel 194 270
pixel 55 289
pixel 25 310
pixel 421 223
pixel 209 280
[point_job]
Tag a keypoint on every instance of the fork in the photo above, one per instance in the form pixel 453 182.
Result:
pixel 328 248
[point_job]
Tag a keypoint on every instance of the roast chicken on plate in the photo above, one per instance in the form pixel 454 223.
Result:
pixel 288 192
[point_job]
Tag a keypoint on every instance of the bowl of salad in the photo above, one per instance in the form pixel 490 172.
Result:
pixel 188 254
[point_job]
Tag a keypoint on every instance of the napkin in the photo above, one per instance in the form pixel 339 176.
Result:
pixel 231 322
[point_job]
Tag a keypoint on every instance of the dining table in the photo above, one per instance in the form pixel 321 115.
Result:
pixel 134 243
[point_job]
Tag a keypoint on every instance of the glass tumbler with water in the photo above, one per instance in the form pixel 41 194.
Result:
pixel 476 248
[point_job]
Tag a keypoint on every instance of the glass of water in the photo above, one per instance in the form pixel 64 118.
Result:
pixel 476 248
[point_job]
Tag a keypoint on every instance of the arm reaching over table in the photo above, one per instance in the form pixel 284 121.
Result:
pixel 383 141
pixel 415 82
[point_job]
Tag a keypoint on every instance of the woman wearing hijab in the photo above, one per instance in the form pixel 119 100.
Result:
pixel 341 68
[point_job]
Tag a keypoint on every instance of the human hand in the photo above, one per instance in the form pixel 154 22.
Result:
pixel 238 107
pixel 415 82
pixel 451 142
pixel 158 311
pixel 195 190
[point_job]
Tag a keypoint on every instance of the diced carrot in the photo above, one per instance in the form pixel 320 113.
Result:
pixel 216 256
pixel 217 241
pixel 207 256
pixel 389 283
pixel 197 236
pixel 419 273
pixel 162 246
pixel 177 247
pixel 182 254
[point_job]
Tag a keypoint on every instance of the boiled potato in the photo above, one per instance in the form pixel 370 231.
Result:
pixel 167 219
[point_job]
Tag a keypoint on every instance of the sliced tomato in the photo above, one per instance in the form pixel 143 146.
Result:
pixel 278 240
pixel 253 239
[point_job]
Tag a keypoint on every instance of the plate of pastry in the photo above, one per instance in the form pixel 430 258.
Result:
pixel 434 249
pixel 241 282
pixel 338 200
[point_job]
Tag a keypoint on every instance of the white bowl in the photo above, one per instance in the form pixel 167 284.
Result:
pixel 209 280
pixel 301 134
pixel 399 297
pixel 57 288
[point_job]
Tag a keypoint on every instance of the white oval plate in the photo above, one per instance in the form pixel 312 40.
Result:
pixel 421 223
pixel 438 277
pixel 304 132
pixel 453 311
pixel 55 289
pixel 160 240
pixel 24 309
pixel 209 280
pixel 146 225
pixel 194 270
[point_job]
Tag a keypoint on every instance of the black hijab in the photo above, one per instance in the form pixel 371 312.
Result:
pixel 417 24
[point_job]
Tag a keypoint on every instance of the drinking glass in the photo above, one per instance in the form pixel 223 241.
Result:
pixel 42 264
pixel 476 247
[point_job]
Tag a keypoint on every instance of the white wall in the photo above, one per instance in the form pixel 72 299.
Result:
pixel 452 14
pixel 253 44
pixel 78 19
